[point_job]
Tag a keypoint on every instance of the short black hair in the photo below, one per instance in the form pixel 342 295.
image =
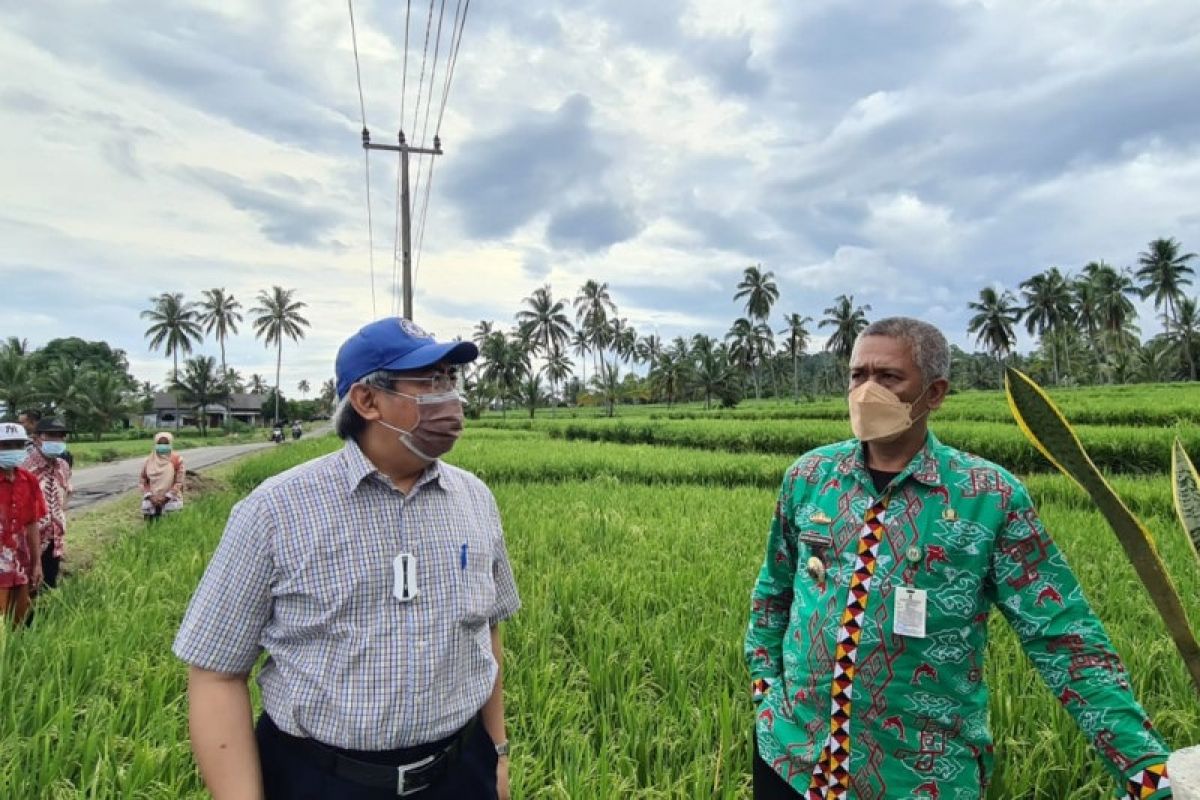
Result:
pixel 32 414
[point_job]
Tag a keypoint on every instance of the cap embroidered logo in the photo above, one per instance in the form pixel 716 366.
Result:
pixel 413 329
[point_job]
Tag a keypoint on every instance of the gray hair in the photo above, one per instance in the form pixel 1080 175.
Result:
pixel 930 351
pixel 347 423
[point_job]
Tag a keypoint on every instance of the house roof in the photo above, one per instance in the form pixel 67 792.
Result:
pixel 238 403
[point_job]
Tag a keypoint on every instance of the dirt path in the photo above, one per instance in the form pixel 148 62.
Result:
pixel 102 482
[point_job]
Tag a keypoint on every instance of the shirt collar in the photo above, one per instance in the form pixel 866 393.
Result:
pixel 923 468
pixel 357 468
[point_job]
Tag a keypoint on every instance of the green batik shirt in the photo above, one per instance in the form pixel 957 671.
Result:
pixel 913 712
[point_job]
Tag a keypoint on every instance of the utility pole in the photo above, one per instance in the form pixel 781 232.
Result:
pixel 403 148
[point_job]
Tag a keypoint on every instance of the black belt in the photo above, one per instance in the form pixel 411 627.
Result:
pixel 407 779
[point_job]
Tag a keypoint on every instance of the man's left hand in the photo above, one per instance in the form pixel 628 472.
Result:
pixel 502 778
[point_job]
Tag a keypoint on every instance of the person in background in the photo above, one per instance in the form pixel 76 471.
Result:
pixel 162 479
pixel 45 462
pixel 29 419
pixel 21 506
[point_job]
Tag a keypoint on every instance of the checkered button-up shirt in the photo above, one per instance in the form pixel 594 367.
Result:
pixel 304 572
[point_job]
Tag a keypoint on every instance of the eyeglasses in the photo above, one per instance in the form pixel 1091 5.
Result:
pixel 441 382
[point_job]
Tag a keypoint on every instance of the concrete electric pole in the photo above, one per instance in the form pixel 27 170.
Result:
pixel 403 148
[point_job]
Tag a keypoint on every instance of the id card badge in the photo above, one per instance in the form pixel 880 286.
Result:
pixel 404 577
pixel 909 617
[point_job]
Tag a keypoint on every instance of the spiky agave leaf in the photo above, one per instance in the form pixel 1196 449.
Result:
pixel 1185 489
pixel 1049 431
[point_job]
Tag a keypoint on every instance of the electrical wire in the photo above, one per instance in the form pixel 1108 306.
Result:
pixel 424 140
pixel 362 106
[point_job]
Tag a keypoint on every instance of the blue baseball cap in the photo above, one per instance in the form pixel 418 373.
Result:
pixel 395 344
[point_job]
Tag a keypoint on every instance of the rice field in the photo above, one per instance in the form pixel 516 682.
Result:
pixel 624 675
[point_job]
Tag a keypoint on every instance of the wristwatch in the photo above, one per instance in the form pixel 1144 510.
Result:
pixel 502 749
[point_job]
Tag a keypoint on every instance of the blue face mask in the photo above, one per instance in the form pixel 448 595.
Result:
pixel 162 449
pixel 11 458
pixel 53 449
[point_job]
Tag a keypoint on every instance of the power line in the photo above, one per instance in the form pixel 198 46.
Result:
pixel 362 106
pixel 457 45
pixel 437 47
pixel 416 115
pixel 459 23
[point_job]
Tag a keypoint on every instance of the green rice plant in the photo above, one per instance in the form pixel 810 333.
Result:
pixel 624 674
pixel 1113 448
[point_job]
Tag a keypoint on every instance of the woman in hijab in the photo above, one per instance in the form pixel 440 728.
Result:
pixel 162 479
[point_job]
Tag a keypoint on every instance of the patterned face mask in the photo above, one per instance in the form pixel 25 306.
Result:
pixel 439 424
pixel 876 414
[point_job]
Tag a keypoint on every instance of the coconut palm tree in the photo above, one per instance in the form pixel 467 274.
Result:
pixel 1185 333
pixel 328 395
pixel 558 368
pixel 581 345
pixel 277 316
pixel 18 388
pixel 760 291
pixel 545 323
pixel 220 315
pixel 304 387
pixel 847 321
pixel 996 314
pixel 624 339
pixel 667 376
pixel 175 326
pixel 593 304
pixel 1114 309
pixel 649 350
pixel 608 385
pixel 234 379
pixel 743 349
pixel 1164 272
pixel 104 399
pixel 201 385
pixel 1048 309
pixel 257 384
pixel 60 385
pixel 795 345
pixel 529 392
pixel 713 373
pixel 506 361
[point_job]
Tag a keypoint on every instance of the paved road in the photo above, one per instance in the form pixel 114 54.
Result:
pixel 102 482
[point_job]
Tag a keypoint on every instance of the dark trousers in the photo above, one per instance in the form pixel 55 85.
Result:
pixel 767 783
pixel 50 565
pixel 288 774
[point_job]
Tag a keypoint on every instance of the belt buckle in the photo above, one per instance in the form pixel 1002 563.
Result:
pixel 402 776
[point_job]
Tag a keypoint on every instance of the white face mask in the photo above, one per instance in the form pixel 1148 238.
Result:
pixel 878 415
pixel 439 424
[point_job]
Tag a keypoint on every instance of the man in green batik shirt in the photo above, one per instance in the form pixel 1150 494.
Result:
pixel 869 617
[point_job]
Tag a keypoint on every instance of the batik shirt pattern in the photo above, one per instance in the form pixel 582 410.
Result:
pixel 54 476
pixel 964 530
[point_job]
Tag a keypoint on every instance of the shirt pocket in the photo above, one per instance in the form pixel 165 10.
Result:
pixel 476 584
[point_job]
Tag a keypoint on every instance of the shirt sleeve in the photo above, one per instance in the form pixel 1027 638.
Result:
pixel 1038 593
pixel 771 597
pixel 222 629
pixel 508 602
pixel 180 475
pixel 38 506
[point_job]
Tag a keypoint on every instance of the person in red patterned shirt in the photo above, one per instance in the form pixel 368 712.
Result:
pixel 47 463
pixel 21 507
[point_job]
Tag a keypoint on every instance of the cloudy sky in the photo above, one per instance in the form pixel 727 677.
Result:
pixel 907 152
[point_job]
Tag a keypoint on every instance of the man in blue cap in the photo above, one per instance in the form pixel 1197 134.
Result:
pixel 375 580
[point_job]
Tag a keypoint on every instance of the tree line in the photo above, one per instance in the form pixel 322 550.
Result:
pixel 1086 329
pixel 89 383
